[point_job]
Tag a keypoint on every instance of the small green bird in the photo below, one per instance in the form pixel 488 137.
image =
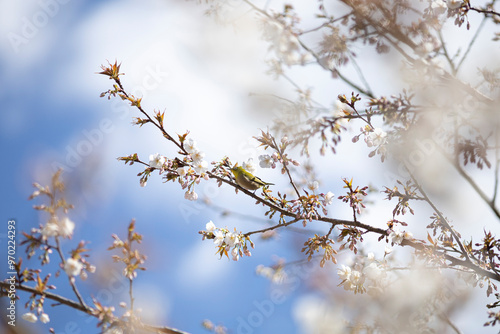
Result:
pixel 246 180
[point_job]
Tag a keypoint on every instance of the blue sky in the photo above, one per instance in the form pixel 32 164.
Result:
pixel 51 106
pixel 184 64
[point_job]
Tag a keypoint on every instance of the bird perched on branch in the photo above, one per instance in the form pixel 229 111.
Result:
pixel 246 179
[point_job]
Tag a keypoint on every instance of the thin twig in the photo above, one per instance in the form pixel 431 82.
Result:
pixel 318 59
pixel 293 221
pixel 280 151
pixel 441 217
pixel 360 73
pixel 332 20
pixel 471 182
pixel 497 169
pixel 70 278
pixel 473 40
pixel 446 54
pixel 446 319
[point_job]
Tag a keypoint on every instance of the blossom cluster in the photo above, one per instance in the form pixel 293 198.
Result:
pixel 31 317
pixel 227 242
pixel 276 274
pixel 284 42
pixel 58 227
pixel 397 236
pixel 368 275
pixel 375 137
pixel 193 170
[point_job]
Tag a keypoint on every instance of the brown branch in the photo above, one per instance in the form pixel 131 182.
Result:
pixel 472 183
pixel 61 300
pixel 85 309
pixel 272 227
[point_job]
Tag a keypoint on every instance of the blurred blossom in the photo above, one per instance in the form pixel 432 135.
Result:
pixel 328 198
pixel 266 161
pixel 387 250
pixel 344 272
pixel 338 112
pixel 377 137
pixel 454 4
pixel 73 267
pixel 66 227
pixel 51 229
pixel 438 6
pixel 313 185
pixel 210 226
pixel 235 254
pixel 30 317
pixel 191 195
pixel 249 166
pixel 44 318
pixel 283 41
pixel 316 315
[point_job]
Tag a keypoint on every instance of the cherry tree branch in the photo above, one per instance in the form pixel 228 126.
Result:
pixel 85 309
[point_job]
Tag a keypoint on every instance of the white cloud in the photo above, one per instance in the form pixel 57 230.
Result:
pixel 201 268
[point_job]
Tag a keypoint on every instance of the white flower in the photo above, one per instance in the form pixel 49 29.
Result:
pixel 182 171
pixel 377 137
pixel 344 272
pixel 44 318
pixel 313 185
pixel 408 235
pixel 370 257
pixel 266 161
pixel 373 271
pixel 338 111
pixel 66 227
pixel 235 253
pixel 51 229
pixel 454 4
pixel 438 6
pixel 191 195
pixel 249 166
pixel 264 271
pixel 328 198
pixel 201 167
pixel 396 237
pixel 73 267
pixel 210 226
pixel 219 238
pixel 190 146
pixel 357 277
pixel 156 160
pixel 349 286
pixel 424 48
pixel 231 239
pixel 306 58
pixel 30 317
pixel 197 156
